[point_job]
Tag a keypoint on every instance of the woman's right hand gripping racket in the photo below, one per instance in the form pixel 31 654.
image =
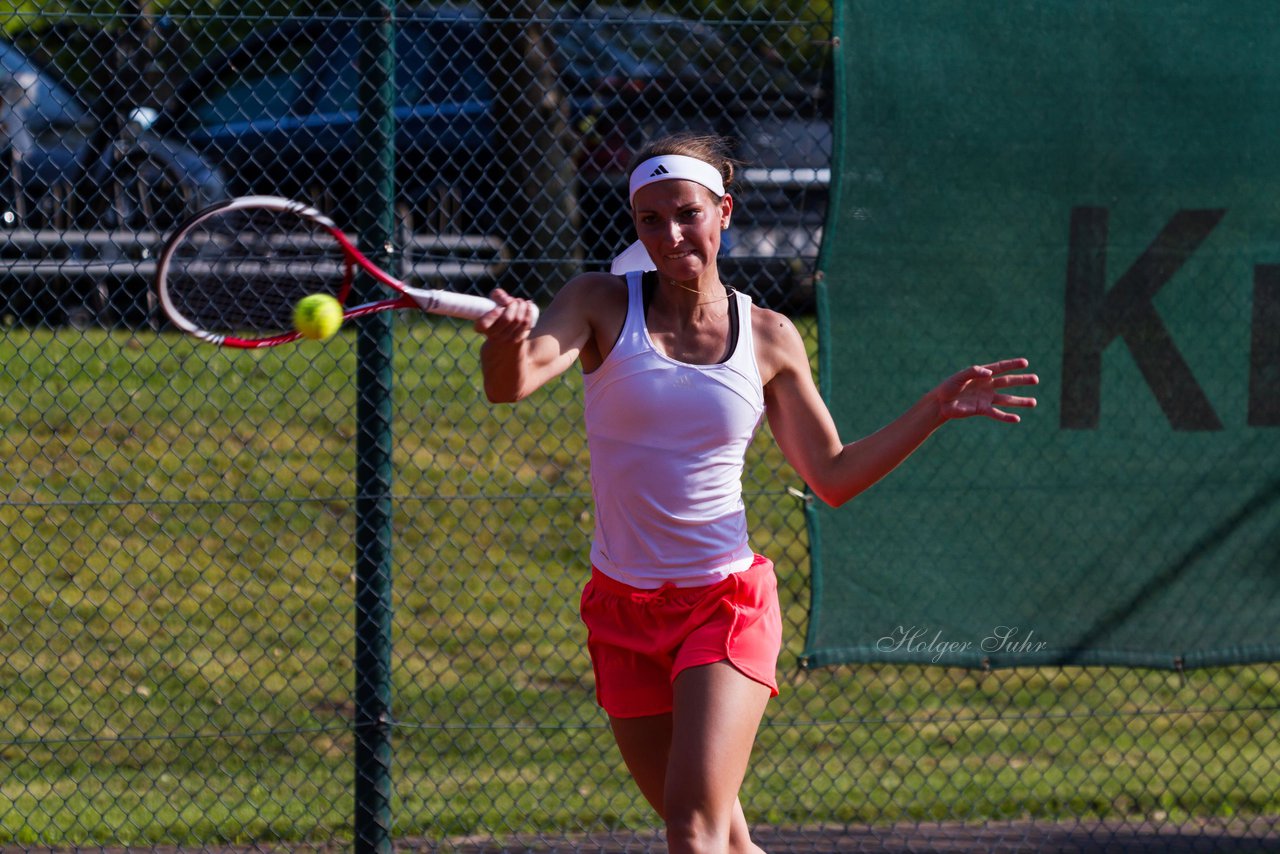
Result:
pixel 234 272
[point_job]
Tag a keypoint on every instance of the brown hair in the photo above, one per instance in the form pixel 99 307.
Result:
pixel 705 147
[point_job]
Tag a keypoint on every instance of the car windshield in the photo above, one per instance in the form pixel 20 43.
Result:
pixel 31 93
pixel 266 89
pixel 614 46
pixel 438 61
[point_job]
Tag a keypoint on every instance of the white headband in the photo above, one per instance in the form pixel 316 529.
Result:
pixel 668 167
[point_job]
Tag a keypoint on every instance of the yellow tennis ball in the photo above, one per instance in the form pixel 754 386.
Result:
pixel 317 317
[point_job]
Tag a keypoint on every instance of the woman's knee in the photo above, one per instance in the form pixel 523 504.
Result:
pixel 696 830
pixel 687 839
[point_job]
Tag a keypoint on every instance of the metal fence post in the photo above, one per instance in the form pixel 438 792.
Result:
pixel 375 220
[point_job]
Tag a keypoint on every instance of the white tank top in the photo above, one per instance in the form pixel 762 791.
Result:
pixel 667 441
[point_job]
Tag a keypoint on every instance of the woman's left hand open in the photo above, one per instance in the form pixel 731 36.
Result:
pixel 978 390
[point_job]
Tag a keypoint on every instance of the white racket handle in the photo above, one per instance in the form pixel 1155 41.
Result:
pixel 465 306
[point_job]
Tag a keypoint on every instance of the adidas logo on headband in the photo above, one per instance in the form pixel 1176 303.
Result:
pixel 676 166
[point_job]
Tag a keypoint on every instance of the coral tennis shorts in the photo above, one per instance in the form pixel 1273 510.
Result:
pixel 640 640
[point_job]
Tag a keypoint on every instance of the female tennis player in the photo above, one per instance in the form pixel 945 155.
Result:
pixel 683 621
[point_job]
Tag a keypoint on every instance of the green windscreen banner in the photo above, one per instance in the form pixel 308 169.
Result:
pixel 1094 186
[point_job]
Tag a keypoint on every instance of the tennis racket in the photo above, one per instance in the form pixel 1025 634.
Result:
pixel 232 274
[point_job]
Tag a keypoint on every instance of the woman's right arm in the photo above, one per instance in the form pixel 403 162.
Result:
pixel 519 357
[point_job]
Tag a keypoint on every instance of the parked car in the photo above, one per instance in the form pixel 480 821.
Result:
pixel 781 207
pixel 80 208
pixel 281 110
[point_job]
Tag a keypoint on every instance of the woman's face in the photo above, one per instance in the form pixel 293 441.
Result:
pixel 679 222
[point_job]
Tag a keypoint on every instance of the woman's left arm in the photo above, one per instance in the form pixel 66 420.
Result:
pixel 805 431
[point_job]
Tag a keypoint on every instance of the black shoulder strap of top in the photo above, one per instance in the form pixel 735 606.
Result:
pixel 733 324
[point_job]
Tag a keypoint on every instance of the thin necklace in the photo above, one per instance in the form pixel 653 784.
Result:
pixel 727 291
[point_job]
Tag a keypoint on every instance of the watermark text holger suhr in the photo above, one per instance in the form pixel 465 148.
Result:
pixel 1008 640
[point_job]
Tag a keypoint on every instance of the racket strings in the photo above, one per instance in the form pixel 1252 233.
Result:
pixel 244 270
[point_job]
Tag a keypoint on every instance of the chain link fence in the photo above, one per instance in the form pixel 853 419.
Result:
pixel 180 663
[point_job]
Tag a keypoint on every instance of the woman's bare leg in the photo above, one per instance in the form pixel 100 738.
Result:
pixel 690 764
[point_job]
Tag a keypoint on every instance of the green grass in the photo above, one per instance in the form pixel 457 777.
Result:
pixel 176 641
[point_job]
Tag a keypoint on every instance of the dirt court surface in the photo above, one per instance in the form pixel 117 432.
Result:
pixel 1238 836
